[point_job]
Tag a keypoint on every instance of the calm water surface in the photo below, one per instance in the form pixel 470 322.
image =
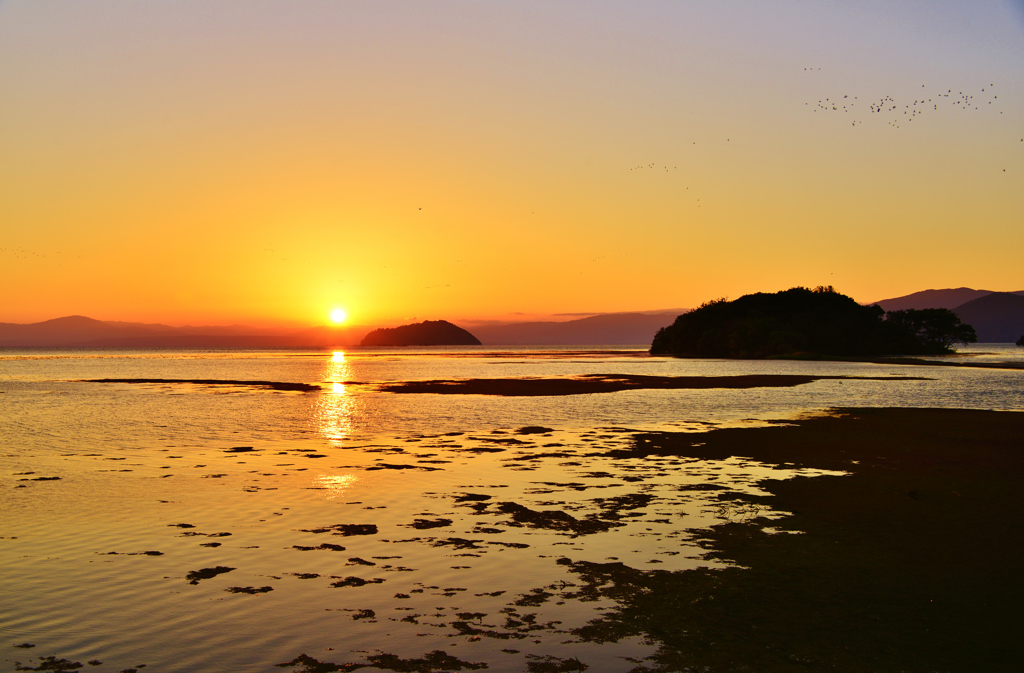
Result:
pixel 368 523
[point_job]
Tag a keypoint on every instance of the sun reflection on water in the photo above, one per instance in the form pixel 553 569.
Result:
pixel 334 485
pixel 334 410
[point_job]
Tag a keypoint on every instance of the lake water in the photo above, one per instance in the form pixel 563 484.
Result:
pixel 358 526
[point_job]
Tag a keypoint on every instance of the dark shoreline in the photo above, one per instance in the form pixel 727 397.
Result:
pixel 911 561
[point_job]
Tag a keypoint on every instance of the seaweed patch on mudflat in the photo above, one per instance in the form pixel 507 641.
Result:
pixel 610 383
pixel 194 576
pixel 270 385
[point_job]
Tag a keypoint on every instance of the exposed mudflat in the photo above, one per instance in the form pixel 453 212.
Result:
pixel 270 385
pixel 610 383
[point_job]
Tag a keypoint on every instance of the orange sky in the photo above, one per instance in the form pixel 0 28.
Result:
pixel 191 162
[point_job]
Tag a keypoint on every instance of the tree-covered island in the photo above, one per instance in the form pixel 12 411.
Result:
pixel 805 322
pixel 426 333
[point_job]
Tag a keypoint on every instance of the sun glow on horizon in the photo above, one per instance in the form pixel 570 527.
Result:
pixel 457 179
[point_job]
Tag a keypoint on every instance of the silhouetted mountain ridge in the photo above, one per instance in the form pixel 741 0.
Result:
pixel 82 332
pixel 948 298
pixel 998 317
pixel 597 330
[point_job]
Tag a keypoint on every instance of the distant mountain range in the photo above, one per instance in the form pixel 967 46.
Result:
pixel 598 330
pixel 949 298
pixel 997 317
pixel 82 332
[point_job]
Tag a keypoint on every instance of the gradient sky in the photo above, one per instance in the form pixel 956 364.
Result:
pixel 265 162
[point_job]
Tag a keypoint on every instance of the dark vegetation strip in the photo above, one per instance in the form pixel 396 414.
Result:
pixel 272 385
pixel 610 383
pixel 909 562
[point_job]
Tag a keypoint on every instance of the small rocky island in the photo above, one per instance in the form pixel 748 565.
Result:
pixel 427 333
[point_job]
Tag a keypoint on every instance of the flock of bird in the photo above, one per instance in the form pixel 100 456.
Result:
pixel 666 169
pixel 896 113
pixel 892 111
pixel 21 253
pixel 645 167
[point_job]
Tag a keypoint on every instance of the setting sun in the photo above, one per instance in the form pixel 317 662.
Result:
pixel 338 315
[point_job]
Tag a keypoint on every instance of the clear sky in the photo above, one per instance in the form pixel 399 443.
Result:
pixel 264 162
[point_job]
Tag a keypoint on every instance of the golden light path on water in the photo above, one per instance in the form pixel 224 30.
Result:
pixel 335 409
pixel 333 414
pixel 334 485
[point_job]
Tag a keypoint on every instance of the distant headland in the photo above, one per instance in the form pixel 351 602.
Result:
pixel 805 322
pixel 426 333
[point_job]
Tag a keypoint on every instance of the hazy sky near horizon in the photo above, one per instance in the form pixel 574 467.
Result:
pixel 260 162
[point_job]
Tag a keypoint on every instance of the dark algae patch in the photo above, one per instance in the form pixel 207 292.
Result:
pixel 472 497
pixel 533 430
pixel 438 660
pixel 345 529
pixel 249 590
pixel 49 664
pixel 553 519
pixel 194 576
pixel 325 546
pixel 400 466
pixel 549 664
pixel 352 581
pixel 425 524
pixel 361 561
pixel 909 562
